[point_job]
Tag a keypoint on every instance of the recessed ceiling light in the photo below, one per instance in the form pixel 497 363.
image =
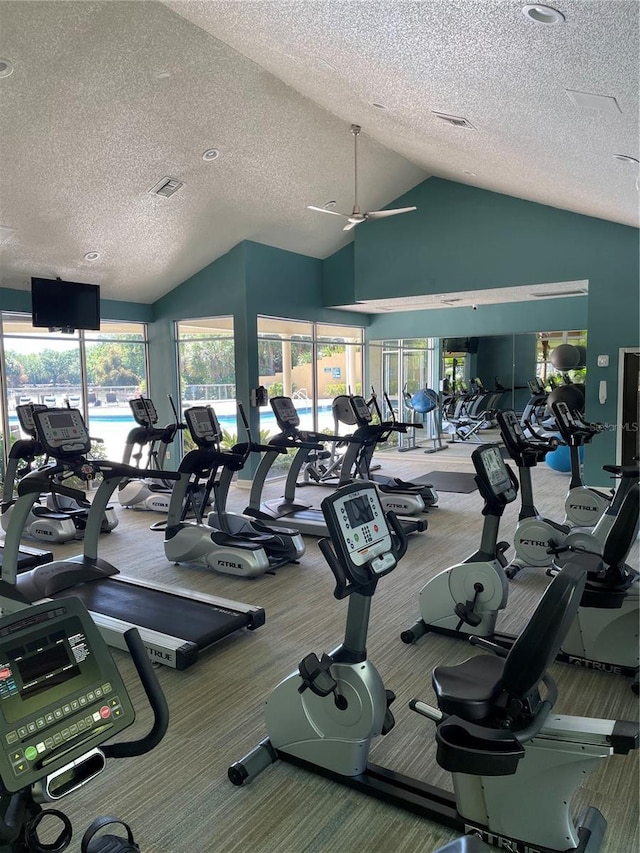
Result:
pixel 92 256
pixel 379 106
pixel 626 158
pixel 6 68
pixel 543 14
pixel 329 205
pixel 211 154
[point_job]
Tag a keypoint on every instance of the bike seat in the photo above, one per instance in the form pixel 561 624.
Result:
pixel 623 470
pixel 469 689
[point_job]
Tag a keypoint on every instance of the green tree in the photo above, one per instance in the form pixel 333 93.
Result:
pixel 115 363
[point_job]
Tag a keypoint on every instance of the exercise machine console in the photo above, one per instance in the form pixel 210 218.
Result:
pixel 61 698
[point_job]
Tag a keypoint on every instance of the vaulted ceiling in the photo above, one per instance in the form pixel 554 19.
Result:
pixel 101 101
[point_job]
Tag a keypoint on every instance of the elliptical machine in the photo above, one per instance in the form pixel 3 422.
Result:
pixel 402 496
pixel 249 553
pixel 62 698
pixel 42 523
pixel 284 545
pixel 151 442
pixel 494 730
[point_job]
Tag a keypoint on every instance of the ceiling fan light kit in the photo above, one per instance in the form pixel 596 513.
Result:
pixel 357 216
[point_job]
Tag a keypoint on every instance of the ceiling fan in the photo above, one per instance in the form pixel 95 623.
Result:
pixel 356 216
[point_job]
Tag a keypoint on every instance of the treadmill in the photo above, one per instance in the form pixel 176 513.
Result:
pixel 287 511
pixel 22 450
pixel 175 624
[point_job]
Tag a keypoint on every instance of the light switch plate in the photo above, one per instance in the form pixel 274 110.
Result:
pixel 603 361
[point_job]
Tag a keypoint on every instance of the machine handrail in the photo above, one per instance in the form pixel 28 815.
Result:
pixel 155 696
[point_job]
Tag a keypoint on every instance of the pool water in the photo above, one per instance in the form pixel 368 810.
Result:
pixel 112 427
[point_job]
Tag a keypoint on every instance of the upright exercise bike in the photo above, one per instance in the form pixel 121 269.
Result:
pixel 584 506
pixel 515 766
pixel 540 541
pixel 466 599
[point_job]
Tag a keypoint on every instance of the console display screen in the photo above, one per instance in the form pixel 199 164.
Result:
pixel 36 673
pixel 359 511
pixel 494 466
pixel 61 421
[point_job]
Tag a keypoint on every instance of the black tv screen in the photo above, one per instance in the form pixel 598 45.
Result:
pixel 57 304
pixel 469 345
pixel 455 345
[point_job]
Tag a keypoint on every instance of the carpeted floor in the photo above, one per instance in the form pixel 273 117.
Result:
pixel 449 481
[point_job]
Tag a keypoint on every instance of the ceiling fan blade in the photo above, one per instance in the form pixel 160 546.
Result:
pixel 352 224
pixel 380 214
pixel 325 210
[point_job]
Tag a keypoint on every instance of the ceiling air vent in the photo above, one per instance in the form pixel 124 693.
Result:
pixel 454 121
pixel 166 187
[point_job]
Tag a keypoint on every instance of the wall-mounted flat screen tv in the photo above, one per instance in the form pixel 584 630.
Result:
pixel 469 345
pixel 65 305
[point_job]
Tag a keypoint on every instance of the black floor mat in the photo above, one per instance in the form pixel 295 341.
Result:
pixel 449 481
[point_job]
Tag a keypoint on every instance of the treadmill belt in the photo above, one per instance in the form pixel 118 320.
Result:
pixel 185 618
pixel 29 559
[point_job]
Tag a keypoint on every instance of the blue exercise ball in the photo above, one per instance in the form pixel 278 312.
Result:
pixel 424 401
pixel 559 459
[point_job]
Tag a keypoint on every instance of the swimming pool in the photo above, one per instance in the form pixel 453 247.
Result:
pixel 112 427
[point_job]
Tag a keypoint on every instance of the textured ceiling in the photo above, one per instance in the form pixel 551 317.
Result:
pixel 108 98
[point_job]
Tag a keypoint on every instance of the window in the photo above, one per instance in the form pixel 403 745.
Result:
pixel 207 370
pixel 84 370
pixel 116 371
pixel 311 363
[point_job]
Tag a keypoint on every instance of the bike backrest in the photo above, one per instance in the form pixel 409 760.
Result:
pixel 540 641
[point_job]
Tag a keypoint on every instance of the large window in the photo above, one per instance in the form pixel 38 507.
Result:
pixel 97 372
pixel 311 363
pixel 206 369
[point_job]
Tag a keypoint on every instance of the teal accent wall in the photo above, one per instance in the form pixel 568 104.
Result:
pixel 507 318
pixel 110 309
pixel 338 277
pixel 464 238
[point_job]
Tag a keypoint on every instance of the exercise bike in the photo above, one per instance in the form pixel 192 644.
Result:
pixel 539 541
pixel 584 506
pixel 515 766
pixel 62 697
pixel 466 599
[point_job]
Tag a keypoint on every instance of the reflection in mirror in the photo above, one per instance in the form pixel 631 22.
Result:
pixel 511 361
